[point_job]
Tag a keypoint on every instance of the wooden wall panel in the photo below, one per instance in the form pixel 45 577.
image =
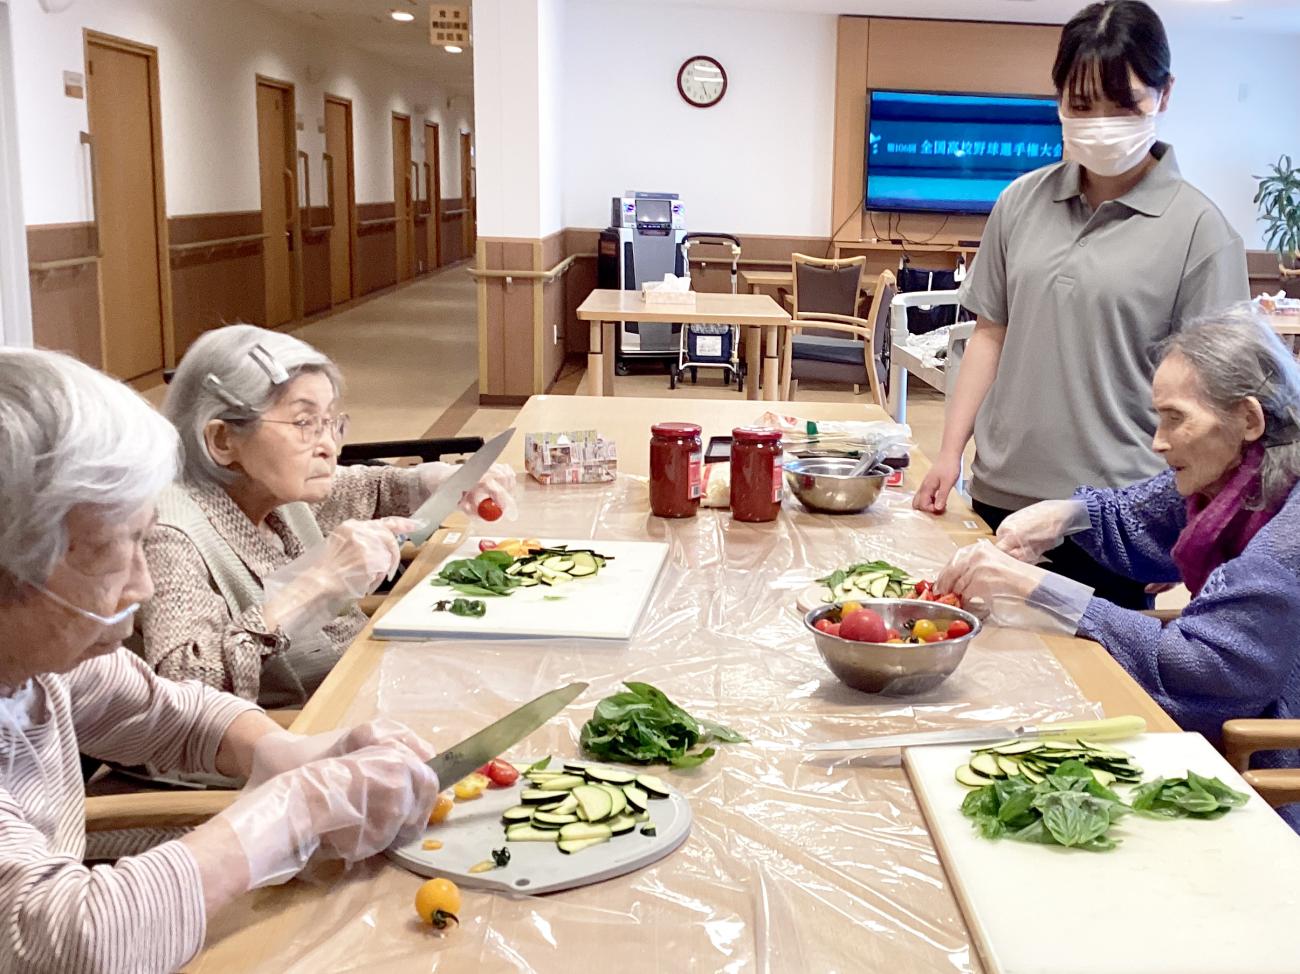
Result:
pixel 65 302
pixel 215 287
pixel 453 243
pixel 376 247
pixel 316 260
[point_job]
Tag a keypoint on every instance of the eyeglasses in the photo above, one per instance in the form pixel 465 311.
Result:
pixel 312 429
pixel 116 619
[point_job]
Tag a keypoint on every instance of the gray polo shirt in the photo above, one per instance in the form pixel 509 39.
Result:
pixel 1085 297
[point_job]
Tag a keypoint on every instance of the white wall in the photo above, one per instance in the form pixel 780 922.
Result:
pixel 208 54
pixel 758 162
pixel 1234 110
pixel 15 299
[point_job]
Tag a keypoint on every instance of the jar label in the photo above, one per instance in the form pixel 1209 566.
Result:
pixel 778 468
pixel 696 488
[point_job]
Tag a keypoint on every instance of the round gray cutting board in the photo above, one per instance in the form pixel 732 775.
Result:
pixel 474 829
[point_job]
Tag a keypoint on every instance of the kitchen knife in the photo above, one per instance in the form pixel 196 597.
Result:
pixel 1111 729
pixel 477 750
pixel 447 497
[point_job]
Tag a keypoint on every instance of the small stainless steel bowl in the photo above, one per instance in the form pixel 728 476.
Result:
pixel 894 669
pixel 822 484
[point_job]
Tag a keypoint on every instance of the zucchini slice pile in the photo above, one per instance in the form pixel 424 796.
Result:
pixel 873 579
pixel 1037 758
pixel 555 566
pixel 581 806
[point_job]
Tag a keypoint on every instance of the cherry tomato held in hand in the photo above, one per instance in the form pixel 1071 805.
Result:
pixel 503 774
pixel 488 509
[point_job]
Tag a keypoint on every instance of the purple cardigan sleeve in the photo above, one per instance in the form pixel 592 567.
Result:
pixel 1134 528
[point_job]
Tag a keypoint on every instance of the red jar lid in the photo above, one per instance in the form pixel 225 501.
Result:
pixel 756 434
pixel 675 429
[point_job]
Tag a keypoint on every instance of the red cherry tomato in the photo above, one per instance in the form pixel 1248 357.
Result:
pixel 958 628
pixel 486 545
pixel 892 634
pixel 951 598
pixel 922 587
pixel 500 773
pixel 834 628
pixel 488 509
pixel 936 637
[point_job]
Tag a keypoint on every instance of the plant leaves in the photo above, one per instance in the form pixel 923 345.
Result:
pixel 641 725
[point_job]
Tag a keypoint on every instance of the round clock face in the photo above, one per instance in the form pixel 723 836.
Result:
pixel 701 81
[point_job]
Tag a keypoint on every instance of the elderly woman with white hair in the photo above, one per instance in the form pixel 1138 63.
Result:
pixel 1224 519
pixel 262 549
pixel 83 459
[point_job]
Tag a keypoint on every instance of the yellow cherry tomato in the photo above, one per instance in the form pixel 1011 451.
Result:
pixel 924 627
pixel 438 902
pixel 430 845
pixel 471 787
pixel 848 608
pixel 441 809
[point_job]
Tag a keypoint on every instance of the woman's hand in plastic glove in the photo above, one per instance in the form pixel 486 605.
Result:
pixel 981 572
pixel 361 554
pixel 350 807
pixel 498 483
pixel 282 750
pixel 932 495
pixel 1031 532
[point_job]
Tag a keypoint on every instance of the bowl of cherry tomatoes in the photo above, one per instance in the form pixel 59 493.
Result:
pixel 896 647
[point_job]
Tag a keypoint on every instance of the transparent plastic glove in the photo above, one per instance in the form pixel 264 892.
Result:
pixel 283 750
pixel 1031 532
pixel 348 807
pixel 498 483
pixel 1012 593
pixel 308 592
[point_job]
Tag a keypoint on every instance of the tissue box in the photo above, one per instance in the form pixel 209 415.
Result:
pixel 574 457
pixel 655 294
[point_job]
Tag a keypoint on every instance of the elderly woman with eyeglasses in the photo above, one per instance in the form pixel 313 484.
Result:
pixel 84 458
pixel 1224 519
pixel 264 546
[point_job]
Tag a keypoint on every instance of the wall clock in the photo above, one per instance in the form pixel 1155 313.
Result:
pixel 701 81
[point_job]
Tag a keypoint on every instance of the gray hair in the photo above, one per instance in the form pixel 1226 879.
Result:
pixel 1235 356
pixel 234 374
pixel 69 436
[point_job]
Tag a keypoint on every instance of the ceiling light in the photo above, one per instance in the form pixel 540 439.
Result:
pixel 453 49
pixel 405 16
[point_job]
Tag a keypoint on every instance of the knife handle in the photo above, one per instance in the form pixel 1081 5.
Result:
pixel 1110 729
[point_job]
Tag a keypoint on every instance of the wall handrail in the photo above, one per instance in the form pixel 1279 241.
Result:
pixel 45 266
pixel 546 277
pixel 217 243
pixel 449 213
pixel 382 221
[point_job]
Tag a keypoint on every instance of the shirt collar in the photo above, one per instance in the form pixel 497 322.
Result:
pixel 1151 196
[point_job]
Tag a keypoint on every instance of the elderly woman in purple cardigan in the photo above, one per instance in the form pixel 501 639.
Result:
pixel 1224 519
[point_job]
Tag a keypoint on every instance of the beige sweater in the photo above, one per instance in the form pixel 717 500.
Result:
pixel 189 631
pixel 146 912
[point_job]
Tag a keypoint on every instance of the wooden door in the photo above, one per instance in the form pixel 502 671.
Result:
pixel 125 133
pixel 277 150
pixel 433 194
pixel 403 196
pixel 340 187
pixel 468 226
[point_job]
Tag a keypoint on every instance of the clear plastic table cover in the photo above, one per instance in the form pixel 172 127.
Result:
pixel 797 861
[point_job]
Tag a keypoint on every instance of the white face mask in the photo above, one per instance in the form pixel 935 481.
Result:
pixel 1109 145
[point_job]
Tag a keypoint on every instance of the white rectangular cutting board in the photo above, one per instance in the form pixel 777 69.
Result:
pixel 1176 897
pixel 607 605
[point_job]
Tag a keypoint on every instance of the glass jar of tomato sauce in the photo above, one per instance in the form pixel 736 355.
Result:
pixel 756 471
pixel 676 469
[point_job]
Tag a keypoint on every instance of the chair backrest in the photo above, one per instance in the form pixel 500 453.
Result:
pixel 830 286
pixel 882 339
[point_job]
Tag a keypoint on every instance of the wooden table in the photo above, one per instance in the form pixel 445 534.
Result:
pixel 757 312
pixel 1286 327
pixel 256 925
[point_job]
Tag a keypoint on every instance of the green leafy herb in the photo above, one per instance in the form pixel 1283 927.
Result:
pixel 1067 807
pixel 1191 797
pixel 642 726
pixel 484 575
pixel 541 765
pixel 472 608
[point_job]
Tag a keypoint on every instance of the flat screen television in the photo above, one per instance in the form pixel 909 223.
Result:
pixel 951 153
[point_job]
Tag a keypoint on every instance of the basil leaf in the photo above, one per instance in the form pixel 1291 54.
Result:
pixel 471 608
pixel 1074 818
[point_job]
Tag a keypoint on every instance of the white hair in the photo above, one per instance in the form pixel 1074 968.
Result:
pixel 1236 356
pixel 234 374
pixel 69 436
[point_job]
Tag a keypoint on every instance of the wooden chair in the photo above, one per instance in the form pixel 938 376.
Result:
pixel 1242 738
pixel 841 347
pixel 825 285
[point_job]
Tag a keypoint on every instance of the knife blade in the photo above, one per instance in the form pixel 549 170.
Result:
pixel 476 750
pixel 1111 729
pixel 445 499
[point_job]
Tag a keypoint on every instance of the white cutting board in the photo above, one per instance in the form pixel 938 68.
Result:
pixel 607 605
pixel 1176 897
pixel 474 829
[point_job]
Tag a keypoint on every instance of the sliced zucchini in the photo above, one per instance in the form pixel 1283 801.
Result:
pixel 585 830
pixel 520 813
pixel 987 765
pixel 618 800
pixel 531 568
pixel 567 807
pixel 550 818
pixel 514 569
pixel 609 776
pixel 1103 778
pixel 557 564
pixel 571 846
pixel 649 829
pixel 526 581
pixel 622 824
pixel 575 767
pixel 652 786
pixel 1031 775
pixel 594 803
pixel 564 782
pixel 636 798
pixel 541 796
pixel 1010 767
pixel 555 579
pixel 527 833
pixel 583 565
pixel 971 778
pixel 642 816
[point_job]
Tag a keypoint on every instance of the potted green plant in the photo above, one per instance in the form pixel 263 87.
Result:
pixel 1278 199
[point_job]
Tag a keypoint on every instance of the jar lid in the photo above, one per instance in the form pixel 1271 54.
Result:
pixel 675 429
pixel 756 434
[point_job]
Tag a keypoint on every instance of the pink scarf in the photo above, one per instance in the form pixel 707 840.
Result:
pixel 1219 529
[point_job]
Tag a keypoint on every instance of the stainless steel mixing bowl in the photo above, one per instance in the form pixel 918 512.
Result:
pixel 822 484
pixel 894 669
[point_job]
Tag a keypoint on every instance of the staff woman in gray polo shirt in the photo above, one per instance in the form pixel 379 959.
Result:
pixel 1084 267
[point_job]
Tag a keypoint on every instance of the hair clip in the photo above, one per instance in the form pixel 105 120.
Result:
pixel 267 363
pixel 218 389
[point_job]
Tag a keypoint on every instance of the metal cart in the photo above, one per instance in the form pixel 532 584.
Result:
pixel 710 346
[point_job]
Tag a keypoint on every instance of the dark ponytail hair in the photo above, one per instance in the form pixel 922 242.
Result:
pixel 1098 47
